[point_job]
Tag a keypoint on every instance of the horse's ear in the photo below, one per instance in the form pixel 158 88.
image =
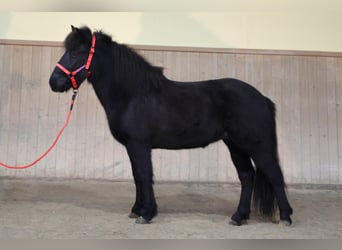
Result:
pixel 72 27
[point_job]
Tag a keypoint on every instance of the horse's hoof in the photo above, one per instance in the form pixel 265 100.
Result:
pixel 133 216
pixel 285 223
pixel 140 220
pixel 236 223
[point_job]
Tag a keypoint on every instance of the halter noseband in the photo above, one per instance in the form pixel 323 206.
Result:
pixel 86 66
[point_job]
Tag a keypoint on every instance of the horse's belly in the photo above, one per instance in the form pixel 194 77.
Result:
pixel 187 139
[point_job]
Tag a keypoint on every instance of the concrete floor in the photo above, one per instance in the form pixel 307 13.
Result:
pixel 64 209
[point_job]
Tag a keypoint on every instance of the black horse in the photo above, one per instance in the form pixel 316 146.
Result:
pixel 145 110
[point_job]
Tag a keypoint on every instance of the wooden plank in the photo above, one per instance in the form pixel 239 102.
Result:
pixel 277 73
pixel 296 118
pixel 43 111
pixel 257 71
pixel 314 111
pixel 305 123
pixel 266 85
pixel 321 76
pixel 254 71
pixel 311 142
pixel 285 119
pixel 5 53
pixel 338 67
pixel 240 67
pixel 14 100
pixel 35 83
pixel 225 66
pixel 97 130
pixel 91 168
pixel 332 120
pixel 286 98
pixel 284 101
pixel 320 171
pixel 321 103
pixel 26 114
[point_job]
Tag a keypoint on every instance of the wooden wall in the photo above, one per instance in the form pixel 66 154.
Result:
pixel 306 87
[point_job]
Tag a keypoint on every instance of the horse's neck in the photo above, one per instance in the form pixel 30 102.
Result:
pixel 112 88
pixel 110 95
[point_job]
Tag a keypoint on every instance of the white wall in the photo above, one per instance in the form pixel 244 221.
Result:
pixel 284 30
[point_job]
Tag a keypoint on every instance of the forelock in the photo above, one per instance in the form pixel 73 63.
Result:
pixel 77 37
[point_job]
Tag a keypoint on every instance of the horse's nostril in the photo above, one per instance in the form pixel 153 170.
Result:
pixel 53 87
pixel 52 84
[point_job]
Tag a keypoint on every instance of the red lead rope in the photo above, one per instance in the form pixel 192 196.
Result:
pixel 53 143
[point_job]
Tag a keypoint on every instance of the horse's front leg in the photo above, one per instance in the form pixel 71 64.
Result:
pixel 145 207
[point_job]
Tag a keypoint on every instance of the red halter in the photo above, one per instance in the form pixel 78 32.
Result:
pixel 86 66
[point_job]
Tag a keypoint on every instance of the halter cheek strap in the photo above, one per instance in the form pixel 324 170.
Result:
pixel 91 53
pixel 85 66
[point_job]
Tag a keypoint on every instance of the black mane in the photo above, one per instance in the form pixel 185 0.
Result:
pixel 134 70
pixel 77 37
pixel 130 69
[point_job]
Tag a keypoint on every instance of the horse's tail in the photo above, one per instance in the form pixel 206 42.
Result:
pixel 264 196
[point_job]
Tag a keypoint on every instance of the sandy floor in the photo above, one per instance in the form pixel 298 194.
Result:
pixel 94 209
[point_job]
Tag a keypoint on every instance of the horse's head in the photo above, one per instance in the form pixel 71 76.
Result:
pixel 73 67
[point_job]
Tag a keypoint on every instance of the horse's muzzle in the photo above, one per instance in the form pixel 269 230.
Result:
pixel 57 84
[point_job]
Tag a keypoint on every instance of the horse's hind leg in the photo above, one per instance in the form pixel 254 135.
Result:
pixel 246 173
pixel 268 165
